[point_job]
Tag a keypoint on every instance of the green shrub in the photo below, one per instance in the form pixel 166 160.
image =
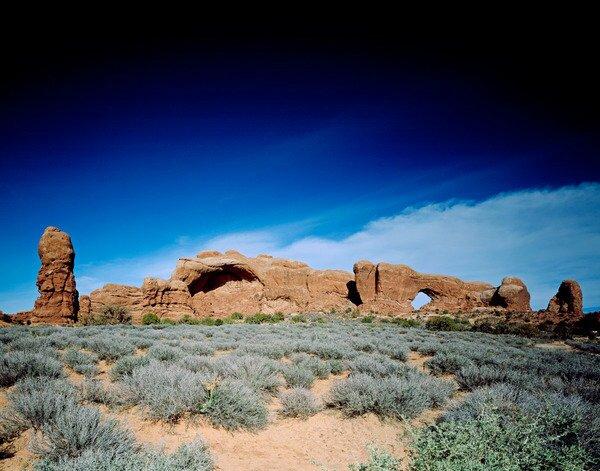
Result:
pixel 261 318
pixel 189 320
pixel 379 460
pixel 111 315
pixel 297 318
pixel 232 404
pixel 236 316
pixel 367 319
pixel 491 442
pixel 150 318
pixel 447 323
pixel 299 402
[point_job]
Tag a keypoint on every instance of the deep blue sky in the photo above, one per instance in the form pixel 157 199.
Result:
pixel 131 143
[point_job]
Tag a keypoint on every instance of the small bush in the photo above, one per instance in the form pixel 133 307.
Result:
pixel 110 348
pixel 299 402
pixel 298 318
pixel 17 365
pixel 405 322
pixel 259 373
pixel 320 368
pixel 125 366
pixel 262 318
pixel 367 319
pixel 163 352
pixel 111 315
pixel 236 316
pixel 378 461
pixel 232 404
pixel 447 362
pixel 81 362
pixel 447 323
pixel 150 318
pixel 376 365
pixel 298 376
pixel 95 391
pixel 76 430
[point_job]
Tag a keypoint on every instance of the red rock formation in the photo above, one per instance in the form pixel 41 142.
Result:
pixel 512 294
pixel 390 289
pixel 224 283
pixel 568 299
pixel 57 301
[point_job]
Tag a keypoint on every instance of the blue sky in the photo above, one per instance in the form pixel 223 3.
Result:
pixel 302 153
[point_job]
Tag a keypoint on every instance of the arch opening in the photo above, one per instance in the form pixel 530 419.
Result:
pixel 420 300
pixel 214 280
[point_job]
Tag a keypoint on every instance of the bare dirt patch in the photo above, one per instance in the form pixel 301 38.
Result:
pixel 326 441
pixel 418 360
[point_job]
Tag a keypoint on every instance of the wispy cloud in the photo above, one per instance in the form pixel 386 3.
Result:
pixel 540 235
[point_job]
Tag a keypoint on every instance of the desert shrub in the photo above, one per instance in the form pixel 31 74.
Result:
pixel 81 362
pixel 76 430
pixel 236 316
pixel 37 401
pixel 299 402
pixel 10 427
pixel 446 361
pixel 110 348
pixel 591 347
pixel 367 319
pixel 150 318
pixel 198 363
pixel 376 365
pixel 405 322
pixel 163 352
pixel 393 350
pixel 472 376
pixel 298 376
pixel 111 315
pixel 490 443
pixel 165 390
pixel 261 318
pixel 260 373
pixel 125 365
pixel 190 456
pixel 320 368
pixel 271 349
pixel 298 318
pixel 197 348
pixel 233 404
pixel 336 366
pixel 210 321
pixel 18 364
pixel 379 460
pixel 392 396
pixel 447 323
pixel 94 391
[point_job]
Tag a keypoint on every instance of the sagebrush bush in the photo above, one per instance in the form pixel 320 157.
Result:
pixel 258 372
pixel 78 429
pixel 320 368
pixel 298 376
pixel 299 402
pixel 125 365
pixel 447 362
pixel 166 391
pixel 379 460
pixel 376 365
pixel 233 404
pixel 110 348
pixel 447 323
pixel 111 315
pixel 18 364
pixel 36 401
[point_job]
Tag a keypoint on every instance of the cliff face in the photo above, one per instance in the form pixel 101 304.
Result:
pixel 218 284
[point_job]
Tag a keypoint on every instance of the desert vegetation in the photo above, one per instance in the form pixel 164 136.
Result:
pixel 454 399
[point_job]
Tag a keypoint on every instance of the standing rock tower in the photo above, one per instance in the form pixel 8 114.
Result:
pixel 58 299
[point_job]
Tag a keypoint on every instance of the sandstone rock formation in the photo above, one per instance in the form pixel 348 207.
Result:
pixel 224 283
pixel 390 289
pixel 568 299
pixel 512 294
pixel 58 299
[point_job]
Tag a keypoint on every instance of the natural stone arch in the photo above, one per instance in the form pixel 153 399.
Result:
pixel 213 280
pixel 421 299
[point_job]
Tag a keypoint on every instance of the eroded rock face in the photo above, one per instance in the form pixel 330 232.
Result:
pixel 512 294
pixel 568 299
pixel 220 284
pixel 390 289
pixel 58 299
pixel 129 297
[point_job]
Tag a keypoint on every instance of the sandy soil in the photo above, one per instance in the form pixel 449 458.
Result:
pixel 327 441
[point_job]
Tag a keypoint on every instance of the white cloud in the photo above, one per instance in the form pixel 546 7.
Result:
pixel 542 236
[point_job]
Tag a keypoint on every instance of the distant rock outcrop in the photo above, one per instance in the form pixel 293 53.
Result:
pixel 58 299
pixel 390 289
pixel 568 299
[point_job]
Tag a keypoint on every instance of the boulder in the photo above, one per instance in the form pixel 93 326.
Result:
pixel 568 299
pixel 512 294
pixel 58 299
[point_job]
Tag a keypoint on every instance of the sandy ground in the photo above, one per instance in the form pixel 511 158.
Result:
pixel 326 441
